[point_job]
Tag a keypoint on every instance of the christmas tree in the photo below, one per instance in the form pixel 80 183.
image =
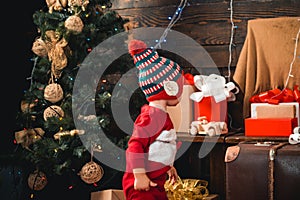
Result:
pixel 49 142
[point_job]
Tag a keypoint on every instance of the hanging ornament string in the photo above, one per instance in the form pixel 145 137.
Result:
pixel 231 41
pixel 92 151
pixel 291 64
pixel 173 21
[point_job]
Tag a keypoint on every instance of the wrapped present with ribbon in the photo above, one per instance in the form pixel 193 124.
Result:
pixel 276 103
pixel 211 99
pixel 187 189
pixel 276 110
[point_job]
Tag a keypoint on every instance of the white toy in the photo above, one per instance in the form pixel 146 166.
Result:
pixel 213 85
pixel 203 127
pixel 295 137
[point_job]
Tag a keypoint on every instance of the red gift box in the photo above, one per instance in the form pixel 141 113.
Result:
pixel 213 111
pixel 272 127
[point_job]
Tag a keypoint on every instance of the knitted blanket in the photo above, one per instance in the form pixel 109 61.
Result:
pixel 265 59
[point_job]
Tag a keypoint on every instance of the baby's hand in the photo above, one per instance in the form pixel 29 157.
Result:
pixel 142 182
pixel 173 176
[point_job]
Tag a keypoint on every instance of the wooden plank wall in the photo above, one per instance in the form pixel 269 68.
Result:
pixel 207 21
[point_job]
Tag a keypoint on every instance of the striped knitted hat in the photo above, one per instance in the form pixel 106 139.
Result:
pixel 159 77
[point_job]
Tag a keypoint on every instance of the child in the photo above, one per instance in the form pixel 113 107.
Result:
pixel 152 146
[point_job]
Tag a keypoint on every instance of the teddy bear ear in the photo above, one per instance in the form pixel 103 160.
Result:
pixel 199 81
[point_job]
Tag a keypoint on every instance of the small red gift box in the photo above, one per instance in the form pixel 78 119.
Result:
pixel 273 127
pixel 213 111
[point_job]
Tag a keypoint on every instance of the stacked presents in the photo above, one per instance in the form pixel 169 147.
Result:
pixel 273 113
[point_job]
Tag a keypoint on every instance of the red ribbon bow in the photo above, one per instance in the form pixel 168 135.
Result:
pixel 277 96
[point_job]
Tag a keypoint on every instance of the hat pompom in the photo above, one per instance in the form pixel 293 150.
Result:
pixel 188 79
pixel 136 46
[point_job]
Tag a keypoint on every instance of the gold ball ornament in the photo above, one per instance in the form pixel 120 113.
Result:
pixel 91 172
pixel 53 111
pixel 39 47
pixel 37 180
pixel 53 92
pixel 74 24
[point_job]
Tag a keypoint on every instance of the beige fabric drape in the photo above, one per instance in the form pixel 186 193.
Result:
pixel 266 56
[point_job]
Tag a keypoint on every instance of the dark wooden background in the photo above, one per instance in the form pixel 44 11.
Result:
pixel 207 21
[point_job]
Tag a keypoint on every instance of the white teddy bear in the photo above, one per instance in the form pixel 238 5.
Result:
pixel 213 85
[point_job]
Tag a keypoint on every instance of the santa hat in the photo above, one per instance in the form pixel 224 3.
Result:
pixel 159 77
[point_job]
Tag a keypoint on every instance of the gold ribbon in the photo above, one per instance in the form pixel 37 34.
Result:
pixel 28 136
pixel 56 53
pixel 187 189
pixel 71 133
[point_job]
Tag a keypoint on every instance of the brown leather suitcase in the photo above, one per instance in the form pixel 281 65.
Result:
pixel 262 171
